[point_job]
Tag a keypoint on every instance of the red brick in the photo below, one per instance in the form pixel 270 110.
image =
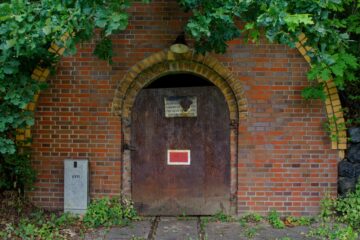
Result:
pixel 283 130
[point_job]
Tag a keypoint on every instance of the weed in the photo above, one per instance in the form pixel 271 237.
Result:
pixel 243 222
pixel 65 219
pixel 109 211
pixel 16 172
pixel 203 222
pixel 137 238
pixel 250 232
pixel 7 232
pixel 348 208
pixel 252 218
pixel 333 232
pixel 274 219
pixel 299 221
pixel 221 217
pixel 36 228
pixel 327 207
pixel 39 225
pixel 183 217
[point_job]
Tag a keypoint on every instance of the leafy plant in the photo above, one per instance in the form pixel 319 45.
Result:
pixel 333 232
pixel 274 219
pixel 16 172
pixel 38 226
pixel 314 92
pixel 104 49
pixel 64 220
pixel 348 208
pixel 345 210
pixel 109 211
pixel 327 208
pixel 333 130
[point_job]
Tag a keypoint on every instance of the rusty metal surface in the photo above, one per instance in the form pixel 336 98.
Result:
pixel 201 188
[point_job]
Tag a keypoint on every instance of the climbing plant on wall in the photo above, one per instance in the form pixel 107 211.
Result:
pixel 28 27
pixel 332 28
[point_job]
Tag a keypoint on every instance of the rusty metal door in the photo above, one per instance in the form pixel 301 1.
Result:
pixel 203 186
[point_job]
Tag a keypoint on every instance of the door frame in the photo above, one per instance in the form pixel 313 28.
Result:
pixel 165 63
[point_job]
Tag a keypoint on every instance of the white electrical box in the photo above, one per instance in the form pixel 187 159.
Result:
pixel 76 186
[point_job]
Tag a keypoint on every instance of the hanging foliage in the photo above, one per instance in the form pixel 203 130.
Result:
pixel 27 28
pixel 332 29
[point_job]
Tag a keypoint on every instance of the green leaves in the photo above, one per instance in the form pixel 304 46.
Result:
pixel 26 30
pixel 199 26
pixel 10 43
pixel 11 67
pixel 7 146
pixel 274 219
pixel 294 20
pixel 348 208
pixel 15 171
pixel 103 50
pixel 313 92
pixel 212 24
pixel 108 212
pixel 5 10
pixel 111 17
pixel 332 29
pixel 252 33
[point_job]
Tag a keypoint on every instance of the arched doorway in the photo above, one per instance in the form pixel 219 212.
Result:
pixel 180 138
pixel 165 63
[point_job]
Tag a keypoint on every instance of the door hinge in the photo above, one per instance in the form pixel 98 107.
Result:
pixel 127 146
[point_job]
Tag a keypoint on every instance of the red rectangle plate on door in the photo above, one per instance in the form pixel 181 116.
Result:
pixel 178 157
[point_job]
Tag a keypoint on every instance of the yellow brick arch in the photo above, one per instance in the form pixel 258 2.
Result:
pixel 167 62
pixel 39 74
pixel 333 105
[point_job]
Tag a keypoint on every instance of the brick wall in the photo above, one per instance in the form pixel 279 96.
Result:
pixel 285 159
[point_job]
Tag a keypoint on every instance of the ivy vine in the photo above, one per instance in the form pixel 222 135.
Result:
pixel 332 28
pixel 27 28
